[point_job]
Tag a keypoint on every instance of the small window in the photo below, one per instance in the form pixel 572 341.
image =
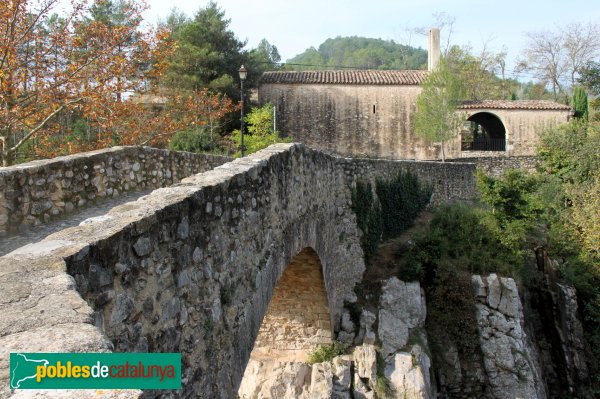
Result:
pixel 373 108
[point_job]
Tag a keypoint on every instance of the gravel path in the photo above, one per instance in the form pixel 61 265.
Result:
pixel 38 233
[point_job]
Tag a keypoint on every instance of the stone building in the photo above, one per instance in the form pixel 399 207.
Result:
pixel 369 113
pixel 506 128
pixel 361 113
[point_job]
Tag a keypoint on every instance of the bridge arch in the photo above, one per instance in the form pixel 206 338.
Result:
pixel 297 318
pixel 296 321
pixel 484 131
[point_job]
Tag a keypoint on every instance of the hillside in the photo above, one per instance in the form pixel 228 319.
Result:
pixel 362 53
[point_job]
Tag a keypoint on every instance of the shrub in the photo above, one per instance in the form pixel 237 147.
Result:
pixel 326 353
pixel 399 201
pixel 368 218
pixel 402 199
pixel 466 236
pixel 260 133
pixel 192 141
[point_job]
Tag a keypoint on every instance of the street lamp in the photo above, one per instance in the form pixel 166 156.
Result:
pixel 243 73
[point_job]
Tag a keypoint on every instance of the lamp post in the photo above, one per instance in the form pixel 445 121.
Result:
pixel 243 73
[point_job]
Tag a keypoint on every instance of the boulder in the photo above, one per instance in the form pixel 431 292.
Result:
pixel 273 379
pixel 321 385
pixel 408 374
pixel 365 362
pixel 402 307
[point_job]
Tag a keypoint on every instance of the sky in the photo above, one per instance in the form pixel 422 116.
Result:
pixel 294 26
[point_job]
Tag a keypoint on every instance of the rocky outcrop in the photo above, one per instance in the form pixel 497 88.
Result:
pixel 408 374
pixel 366 334
pixel 551 312
pixel 402 308
pixel 505 362
pixel 572 333
pixel 404 372
pixel 509 358
pixel 273 379
pixel 298 380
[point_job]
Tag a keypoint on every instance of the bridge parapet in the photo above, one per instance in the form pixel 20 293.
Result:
pixel 192 268
pixel 35 192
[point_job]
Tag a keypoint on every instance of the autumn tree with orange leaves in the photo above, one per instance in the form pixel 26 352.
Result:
pixel 59 72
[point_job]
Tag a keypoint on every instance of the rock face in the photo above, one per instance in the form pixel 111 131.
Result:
pixel 402 308
pixel 408 374
pixel 506 364
pixel 272 379
pixel 572 331
pixel 402 314
pixel 509 358
pixel 291 380
pixel 552 317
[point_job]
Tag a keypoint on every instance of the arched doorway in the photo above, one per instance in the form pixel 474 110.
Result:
pixel 297 320
pixel 483 131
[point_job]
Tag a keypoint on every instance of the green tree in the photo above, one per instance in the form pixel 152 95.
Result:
pixel 208 54
pixel 590 77
pixel 580 103
pixel 437 118
pixel 260 132
pixel 361 52
pixel 479 73
pixel 265 57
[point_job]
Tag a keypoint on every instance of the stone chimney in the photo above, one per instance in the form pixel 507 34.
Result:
pixel 433 58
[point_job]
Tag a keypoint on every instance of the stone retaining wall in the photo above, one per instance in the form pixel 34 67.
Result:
pixel 495 166
pixel 36 192
pixel 451 181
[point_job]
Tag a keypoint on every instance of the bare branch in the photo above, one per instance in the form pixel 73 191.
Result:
pixel 42 124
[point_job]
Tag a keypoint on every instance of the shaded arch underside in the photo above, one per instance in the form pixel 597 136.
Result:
pixel 486 132
pixel 297 318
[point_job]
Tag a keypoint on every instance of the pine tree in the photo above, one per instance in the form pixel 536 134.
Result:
pixel 580 103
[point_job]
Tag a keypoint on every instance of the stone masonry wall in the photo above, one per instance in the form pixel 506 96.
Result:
pixel 356 120
pixel 450 181
pixel 376 121
pixel 495 166
pixel 297 319
pixel 192 268
pixel 35 192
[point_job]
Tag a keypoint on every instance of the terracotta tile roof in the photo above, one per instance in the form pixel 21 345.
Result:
pixel 514 104
pixel 347 77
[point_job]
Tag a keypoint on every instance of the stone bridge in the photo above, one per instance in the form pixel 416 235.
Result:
pixel 192 268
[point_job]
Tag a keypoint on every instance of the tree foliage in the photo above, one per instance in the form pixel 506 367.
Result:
pixel 55 70
pixel 362 53
pixel 265 57
pixel 590 77
pixel 480 73
pixel 202 115
pixel 580 103
pixel 569 156
pixel 437 118
pixel 260 133
pixel 207 54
